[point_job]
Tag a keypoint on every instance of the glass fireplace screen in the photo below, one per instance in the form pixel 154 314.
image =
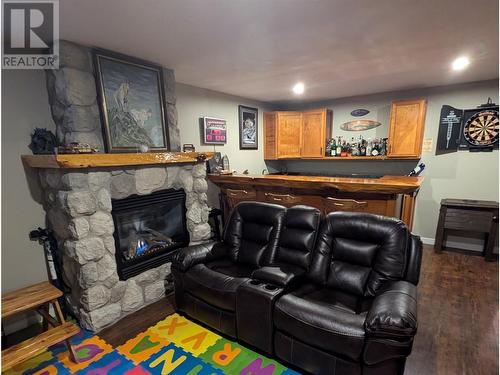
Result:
pixel 150 225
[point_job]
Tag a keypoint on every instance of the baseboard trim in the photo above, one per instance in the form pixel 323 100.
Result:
pixel 428 240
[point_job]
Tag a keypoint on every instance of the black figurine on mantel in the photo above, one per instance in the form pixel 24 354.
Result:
pixel 43 141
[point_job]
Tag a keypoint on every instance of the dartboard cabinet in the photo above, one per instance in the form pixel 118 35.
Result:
pixel 473 129
pixel 480 127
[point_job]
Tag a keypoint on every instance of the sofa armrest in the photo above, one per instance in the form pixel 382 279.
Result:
pixel 393 313
pixel 414 260
pixel 190 256
pixel 279 275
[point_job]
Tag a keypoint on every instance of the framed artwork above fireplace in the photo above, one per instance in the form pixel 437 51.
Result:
pixel 131 99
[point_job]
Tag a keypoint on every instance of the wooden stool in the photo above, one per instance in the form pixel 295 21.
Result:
pixel 469 215
pixel 37 297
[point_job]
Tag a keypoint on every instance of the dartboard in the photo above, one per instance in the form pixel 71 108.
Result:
pixel 482 128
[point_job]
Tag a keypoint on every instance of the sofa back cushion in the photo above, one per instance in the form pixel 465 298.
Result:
pixel 252 232
pixel 357 253
pixel 298 236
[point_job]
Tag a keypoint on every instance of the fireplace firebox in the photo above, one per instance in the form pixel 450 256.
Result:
pixel 148 230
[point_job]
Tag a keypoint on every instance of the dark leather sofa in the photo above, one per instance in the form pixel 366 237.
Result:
pixel 332 295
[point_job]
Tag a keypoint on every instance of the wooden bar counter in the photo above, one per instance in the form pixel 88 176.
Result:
pixel 387 195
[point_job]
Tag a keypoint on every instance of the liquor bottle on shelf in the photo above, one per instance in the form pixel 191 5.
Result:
pixel 383 147
pixel 417 170
pixel 328 147
pixel 344 148
pixel 339 147
pixel 375 147
pixel 362 149
pixel 369 147
pixel 354 147
pixel 333 148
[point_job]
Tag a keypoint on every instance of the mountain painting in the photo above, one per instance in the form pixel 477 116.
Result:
pixel 132 104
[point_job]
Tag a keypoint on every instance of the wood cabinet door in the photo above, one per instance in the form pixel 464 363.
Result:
pixel 315 129
pixel 270 141
pixel 407 128
pixel 289 134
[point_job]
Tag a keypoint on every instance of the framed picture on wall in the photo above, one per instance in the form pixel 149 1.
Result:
pixel 214 131
pixel 131 99
pixel 249 127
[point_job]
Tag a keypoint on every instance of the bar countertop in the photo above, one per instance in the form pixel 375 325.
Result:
pixel 382 185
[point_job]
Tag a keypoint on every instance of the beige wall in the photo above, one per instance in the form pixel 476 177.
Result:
pixel 457 175
pixel 24 107
pixel 194 103
pixel 462 175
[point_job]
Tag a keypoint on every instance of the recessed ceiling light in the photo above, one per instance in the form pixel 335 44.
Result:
pixel 298 89
pixel 460 63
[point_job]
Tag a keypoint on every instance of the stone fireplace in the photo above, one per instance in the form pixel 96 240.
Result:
pixel 79 206
pixel 84 201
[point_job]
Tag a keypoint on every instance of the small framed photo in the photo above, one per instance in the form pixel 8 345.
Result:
pixel 215 165
pixel 188 147
pixel 214 131
pixel 249 127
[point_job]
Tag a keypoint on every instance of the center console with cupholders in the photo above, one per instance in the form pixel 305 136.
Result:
pixel 254 309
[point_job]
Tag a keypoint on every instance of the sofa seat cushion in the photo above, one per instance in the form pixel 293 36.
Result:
pixel 214 287
pixel 327 319
pixel 229 268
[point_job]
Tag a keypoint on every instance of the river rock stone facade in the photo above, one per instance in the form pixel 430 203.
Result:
pixel 73 99
pixel 78 208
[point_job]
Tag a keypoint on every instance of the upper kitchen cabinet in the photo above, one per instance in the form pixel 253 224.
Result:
pixel 289 131
pixel 283 135
pixel 291 135
pixel 316 128
pixel 270 136
pixel 406 130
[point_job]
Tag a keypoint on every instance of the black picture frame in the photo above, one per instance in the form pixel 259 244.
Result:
pixel 124 116
pixel 249 136
pixel 214 131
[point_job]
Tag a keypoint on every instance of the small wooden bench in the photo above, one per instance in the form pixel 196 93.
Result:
pixel 37 297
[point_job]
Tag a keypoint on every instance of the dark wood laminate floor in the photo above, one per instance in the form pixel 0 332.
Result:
pixel 138 322
pixel 457 313
pixel 457 316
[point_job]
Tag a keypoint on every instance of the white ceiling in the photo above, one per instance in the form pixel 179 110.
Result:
pixel 259 49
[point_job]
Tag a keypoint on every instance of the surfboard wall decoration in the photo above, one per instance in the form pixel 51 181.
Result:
pixel 359 125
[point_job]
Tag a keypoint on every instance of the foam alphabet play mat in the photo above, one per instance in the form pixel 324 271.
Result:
pixel 174 345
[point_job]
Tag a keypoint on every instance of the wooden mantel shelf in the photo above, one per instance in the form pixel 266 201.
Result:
pixel 70 161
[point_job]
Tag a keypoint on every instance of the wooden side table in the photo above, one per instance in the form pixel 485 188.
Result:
pixel 469 215
pixel 37 297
